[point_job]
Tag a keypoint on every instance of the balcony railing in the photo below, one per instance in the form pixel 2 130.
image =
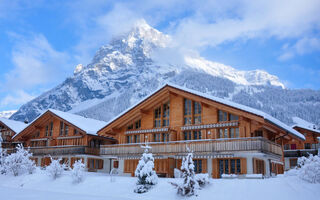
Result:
pixel 300 152
pixel 197 146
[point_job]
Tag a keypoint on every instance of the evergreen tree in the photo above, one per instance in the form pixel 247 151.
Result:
pixel 189 185
pixel 145 172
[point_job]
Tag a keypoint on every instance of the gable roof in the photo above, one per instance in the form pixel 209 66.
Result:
pixel 304 125
pixel 15 126
pixel 264 115
pixel 90 126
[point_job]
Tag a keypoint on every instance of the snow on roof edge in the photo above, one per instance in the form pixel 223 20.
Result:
pixel 14 125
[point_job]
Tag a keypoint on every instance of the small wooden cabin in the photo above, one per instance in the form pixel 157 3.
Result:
pixel 293 149
pixel 67 136
pixel 226 138
pixel 9 128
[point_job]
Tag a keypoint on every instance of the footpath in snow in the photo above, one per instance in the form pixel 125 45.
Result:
pixel 98 186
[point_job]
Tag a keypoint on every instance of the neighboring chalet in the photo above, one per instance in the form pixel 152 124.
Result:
pixel 67 136
pixel 226 138
pixel 294 149
pixel 9 128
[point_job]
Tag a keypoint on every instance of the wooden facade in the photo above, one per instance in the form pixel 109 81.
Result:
pixel 52 135
pixel 293 149
pixel 172 118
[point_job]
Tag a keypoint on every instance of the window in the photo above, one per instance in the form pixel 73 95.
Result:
pixel 258 133
pixel 156 137
pixel 192 112
pixel 75 131
pixel 223 133
pixel 133 138
pixel 293 162
pixel 136 138
pixel 287 147
pixel 293 146
pixel 130 127
pixel 166 114
pixel 165 137
pixel 187 135
pixel 51 128
pixel 197 166
pixel 229 166
pixel 197 112
pixel 66 130
pixel 222 116
pixel 157 117
pixel 234 132
pixel 61 128
pixel 138 124
pixel 47 130
pixel 307 146
pixel 187 111
pixel 197 135
pixel 233 117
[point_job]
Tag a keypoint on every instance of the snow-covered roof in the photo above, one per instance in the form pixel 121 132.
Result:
pixel 16 126
pixel 304 124
pixel 90 126
pixel 266 116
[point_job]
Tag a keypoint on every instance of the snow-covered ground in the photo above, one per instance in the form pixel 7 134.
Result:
pixel 98 186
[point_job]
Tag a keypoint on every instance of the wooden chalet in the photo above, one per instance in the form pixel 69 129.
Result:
pixel 9 128
pixel 67 136
pixel 226 138
pixel 294 149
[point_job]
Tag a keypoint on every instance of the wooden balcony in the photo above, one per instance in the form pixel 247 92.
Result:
pixel 209 146
pixel 300 152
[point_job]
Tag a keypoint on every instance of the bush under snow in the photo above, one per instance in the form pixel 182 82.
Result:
pixel 55 169
pixel 309 168
pixel 77 172
pixel 19 162
pixel 145 173
pixel 202 179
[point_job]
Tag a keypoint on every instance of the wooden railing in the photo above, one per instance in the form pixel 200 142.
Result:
pixel 57 150
pixel 197 146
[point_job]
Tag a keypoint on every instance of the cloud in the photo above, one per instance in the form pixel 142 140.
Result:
pixel 35 63
pixel 301 47
pixel 16 98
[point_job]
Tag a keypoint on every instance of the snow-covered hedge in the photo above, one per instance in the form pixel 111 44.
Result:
pixel 309 168
pixel 18 163
pixel 55 169
pixel 77 172
pixel 202 179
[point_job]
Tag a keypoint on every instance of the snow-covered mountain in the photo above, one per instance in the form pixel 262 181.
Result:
pixel 7 113
pixel 128 68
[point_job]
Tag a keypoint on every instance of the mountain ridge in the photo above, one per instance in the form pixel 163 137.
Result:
pixel 124 71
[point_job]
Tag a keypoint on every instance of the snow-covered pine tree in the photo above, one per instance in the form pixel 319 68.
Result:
pixel 19 162
pixel 77 172
pixel 145 173
pixel 3 155
pixel 55 169
pixel 189 186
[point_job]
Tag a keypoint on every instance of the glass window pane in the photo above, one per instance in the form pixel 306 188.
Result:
pixel 226 166
pixel 238 166
pixel 233 166
pixel 225 133
pixel 221 167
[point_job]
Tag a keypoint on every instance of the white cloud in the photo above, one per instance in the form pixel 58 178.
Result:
pixel 35 62
pixel 16 98
pixel 301 47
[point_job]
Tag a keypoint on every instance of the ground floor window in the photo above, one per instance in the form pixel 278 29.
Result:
pixel 258 166
pixel 95 163
pixel 229 166
pixel 293 162
pixel 192 135
pixel 197 166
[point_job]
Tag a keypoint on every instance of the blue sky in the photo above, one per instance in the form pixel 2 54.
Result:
pixel 41 41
